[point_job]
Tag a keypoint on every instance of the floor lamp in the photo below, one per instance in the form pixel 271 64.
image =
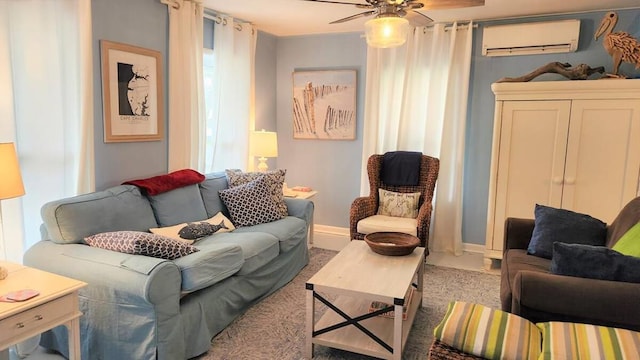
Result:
pixel 10 186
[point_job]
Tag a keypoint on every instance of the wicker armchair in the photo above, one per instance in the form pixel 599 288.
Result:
pixel 364 207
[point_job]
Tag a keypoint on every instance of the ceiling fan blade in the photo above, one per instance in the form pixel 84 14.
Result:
pixel 418 19
pixel 338 2
pixel 412 5
pixel 356 16
pixel 450 4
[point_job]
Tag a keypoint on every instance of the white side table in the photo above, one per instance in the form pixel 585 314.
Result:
pixel 57 304
pixel 303 195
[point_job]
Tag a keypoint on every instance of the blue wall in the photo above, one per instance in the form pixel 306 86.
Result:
pixel 141 23
pixel 486 70
pixel 331 167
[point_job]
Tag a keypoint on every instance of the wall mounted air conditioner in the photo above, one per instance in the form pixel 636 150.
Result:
pixel 531 38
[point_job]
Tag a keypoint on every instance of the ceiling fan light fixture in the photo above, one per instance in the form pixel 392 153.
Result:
pixel 387 31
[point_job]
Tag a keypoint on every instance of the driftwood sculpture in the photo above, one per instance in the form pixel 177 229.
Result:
pixel 620 45
pixel 580 72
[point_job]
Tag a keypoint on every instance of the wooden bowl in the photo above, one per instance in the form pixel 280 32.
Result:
pixel 391 243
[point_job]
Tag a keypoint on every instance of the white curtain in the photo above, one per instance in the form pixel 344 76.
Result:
pixel 416 100
pixel 46 108
pixel 229 93
pixel 186 91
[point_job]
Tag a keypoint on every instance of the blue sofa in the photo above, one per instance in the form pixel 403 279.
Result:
pixel 139 307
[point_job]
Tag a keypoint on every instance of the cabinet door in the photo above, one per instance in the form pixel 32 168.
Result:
pixel 603 157
pixel 531 159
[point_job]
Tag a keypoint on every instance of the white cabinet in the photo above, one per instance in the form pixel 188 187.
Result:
pixel 567 144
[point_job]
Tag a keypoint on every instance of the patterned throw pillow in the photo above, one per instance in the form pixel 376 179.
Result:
pixel 141 243
pixel 398 204
pixel 561 340
pixel 488 333
pixel 225 225
pixel 275 179
pixel 251 203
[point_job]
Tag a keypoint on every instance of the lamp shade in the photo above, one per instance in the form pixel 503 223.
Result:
pixel 387 31
pixel 10 178
pixel 264 143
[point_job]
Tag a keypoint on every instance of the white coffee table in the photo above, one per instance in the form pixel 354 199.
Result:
pixel 359 276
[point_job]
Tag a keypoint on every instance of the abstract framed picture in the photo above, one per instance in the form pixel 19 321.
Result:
pixel 131 93
pixel 324 104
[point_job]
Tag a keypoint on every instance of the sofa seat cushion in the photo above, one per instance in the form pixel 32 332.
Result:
pixel 513 261
pixel 212 264
pixel 378 223
pixel 258 248
pixel 289 231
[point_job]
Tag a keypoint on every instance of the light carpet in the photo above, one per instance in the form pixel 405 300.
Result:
pixel 275 327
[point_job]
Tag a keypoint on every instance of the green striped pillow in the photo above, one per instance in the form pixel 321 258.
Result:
pixel 584 341
pixel 489 333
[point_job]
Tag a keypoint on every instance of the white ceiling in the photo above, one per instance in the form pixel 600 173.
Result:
pixel 298 17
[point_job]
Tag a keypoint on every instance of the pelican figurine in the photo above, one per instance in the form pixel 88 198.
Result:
pixel 620 45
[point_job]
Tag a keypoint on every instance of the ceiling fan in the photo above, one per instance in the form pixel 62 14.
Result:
pixel 389 27
pixel 402 8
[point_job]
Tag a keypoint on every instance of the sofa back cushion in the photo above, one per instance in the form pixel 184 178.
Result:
pixel 628 216
pixel 209 189
pixel 72 219
pixel 178 206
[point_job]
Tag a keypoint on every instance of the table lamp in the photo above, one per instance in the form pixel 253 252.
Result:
pixel 10 186
pixel 264 144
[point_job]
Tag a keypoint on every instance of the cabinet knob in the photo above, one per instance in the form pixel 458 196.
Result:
pixel 38 317
pixel 20 325
pixel 570 181
pixel 557 180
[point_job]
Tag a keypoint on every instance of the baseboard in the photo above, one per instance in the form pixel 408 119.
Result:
pixel 473 248
pixel 335 238
pixel 333 230
pixel 330 237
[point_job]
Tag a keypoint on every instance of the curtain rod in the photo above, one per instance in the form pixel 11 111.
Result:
pixel 219 19
pixel 449 27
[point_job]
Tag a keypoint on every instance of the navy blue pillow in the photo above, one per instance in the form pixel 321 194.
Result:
pixel 594 262
pixel 565 226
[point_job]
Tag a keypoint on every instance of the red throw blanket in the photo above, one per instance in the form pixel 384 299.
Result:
pixel 163 183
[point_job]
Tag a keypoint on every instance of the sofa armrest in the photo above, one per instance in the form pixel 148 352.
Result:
pixel 602 302
pixel 300 208
pixel 517 233
pixel 111 276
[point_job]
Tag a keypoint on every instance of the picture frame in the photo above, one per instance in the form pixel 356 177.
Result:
pixel 133 102
pixel 324 104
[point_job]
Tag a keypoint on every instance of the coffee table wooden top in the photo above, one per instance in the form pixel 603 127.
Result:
pixel 357 270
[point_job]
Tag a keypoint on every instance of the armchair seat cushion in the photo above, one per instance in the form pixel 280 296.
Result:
pixel 377 223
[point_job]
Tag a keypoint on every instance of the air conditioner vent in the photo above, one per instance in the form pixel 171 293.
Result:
pixel 531 38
